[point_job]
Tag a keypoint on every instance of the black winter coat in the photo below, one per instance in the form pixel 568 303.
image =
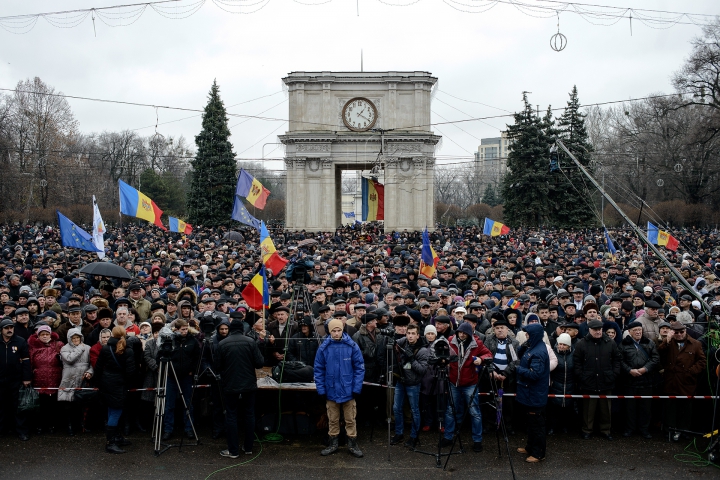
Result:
pixel 562 379
pixel 373 352
pixel 303 349
pixel 596 363
pixel 186 355
pixel 416 357
pixel 113 373
pixel 238 358
pixel 633 358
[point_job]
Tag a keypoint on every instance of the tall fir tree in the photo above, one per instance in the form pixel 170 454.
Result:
pixel 214 173
pixel 577 201
pixel 525 186
pixel 490 196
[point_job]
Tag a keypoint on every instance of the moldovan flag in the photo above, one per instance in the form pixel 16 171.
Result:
pixel 271 259
pixel 250 188
pixel 178 226
pixel 136 204
pixel 256 293
pixel 373 200
pixel 428 258
pixel 494 228
pixel 660 237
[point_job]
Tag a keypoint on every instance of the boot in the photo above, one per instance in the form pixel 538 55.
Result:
pixel 111 446
pixel 331 448
pixel 353 447
pixel 121 441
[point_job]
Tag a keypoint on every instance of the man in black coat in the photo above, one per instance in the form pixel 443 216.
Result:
pixel 238 358
pixel 597 365
pixel 15 370
pixel 279 332
pixel 640 362
pixel 185 359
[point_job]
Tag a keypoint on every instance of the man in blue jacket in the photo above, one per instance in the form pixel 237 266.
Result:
pixel 533 378
pixel 339 373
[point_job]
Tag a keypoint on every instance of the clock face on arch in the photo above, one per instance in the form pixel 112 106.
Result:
pixel 359 114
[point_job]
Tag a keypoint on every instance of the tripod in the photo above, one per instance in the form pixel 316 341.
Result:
pixel 496 403
pixel 440 378
pixel 165 366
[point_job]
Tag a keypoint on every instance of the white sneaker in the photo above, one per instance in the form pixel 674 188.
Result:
pixel 226 453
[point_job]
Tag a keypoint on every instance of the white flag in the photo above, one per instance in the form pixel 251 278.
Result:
pixel 98 230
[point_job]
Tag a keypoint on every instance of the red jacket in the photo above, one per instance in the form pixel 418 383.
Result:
pixel 95 353
pixel 45 362
pixel 468 371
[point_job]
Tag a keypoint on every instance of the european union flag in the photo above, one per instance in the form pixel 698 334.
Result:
pixel 74 236
pixel 241 214
pixel 349 214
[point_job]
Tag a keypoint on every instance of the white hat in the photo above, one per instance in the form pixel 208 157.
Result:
pixel 432 329
pixel 647 289
pixel 696 304
pixel 565 339
pixel 460 309
pixel 558 279
pixel 434 282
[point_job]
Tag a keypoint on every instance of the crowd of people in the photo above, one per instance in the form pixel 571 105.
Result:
pixel 535 312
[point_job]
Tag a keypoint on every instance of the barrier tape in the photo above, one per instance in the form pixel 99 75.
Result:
pixel 551 395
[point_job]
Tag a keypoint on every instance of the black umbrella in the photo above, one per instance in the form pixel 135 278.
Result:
pixel 106 269
pixel 307 242
pixel 234 236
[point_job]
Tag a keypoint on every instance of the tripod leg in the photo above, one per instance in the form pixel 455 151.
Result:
pixel 188 413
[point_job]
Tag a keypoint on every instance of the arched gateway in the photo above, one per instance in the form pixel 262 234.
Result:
pixel 370 121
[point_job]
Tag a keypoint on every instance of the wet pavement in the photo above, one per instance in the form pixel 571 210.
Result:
pixel 83 456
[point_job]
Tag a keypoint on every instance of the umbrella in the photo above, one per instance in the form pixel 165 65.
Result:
pixel 234 236
pixel 534 240
pixel 306 242
pixel 106 269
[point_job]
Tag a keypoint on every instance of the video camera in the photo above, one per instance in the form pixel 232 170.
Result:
pixel 167 343
pixel 208 321
pixel 443 356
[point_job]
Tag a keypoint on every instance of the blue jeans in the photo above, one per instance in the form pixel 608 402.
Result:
pixel 413 394
pixel 186 383
pixel 463 398
pixel 114 416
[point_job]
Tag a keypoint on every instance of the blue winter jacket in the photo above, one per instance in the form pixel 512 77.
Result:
pixel 339 369
pixel 533 373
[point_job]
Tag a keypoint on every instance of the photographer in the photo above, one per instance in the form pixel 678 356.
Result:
pixel 238 357
pixel 185 357
pixel 413 359
pixel 463 376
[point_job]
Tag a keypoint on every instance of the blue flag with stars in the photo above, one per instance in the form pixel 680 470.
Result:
pixel 74 236
pixel 241 214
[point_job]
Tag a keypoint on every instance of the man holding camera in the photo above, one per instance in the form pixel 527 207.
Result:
pixel 184 359
pixel 463 376
pixel 413 360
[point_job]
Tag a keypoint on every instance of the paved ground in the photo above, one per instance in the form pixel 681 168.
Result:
pixel 83 456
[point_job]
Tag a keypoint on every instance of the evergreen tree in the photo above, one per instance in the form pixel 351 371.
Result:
pixel 577 201
pixel 490 196
pixel 525 185
pixel 212 188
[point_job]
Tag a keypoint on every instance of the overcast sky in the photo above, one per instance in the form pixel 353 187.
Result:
pixel 489 58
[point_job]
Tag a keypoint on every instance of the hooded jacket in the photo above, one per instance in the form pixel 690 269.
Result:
pixel 339 369
pixel 76 363
pixel 463 372
pixel 533 371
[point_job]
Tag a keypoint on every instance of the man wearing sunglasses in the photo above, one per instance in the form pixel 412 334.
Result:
pixel 14 371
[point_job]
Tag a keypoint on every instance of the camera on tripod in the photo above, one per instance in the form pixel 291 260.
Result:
pixel 167 344
pixel 442 356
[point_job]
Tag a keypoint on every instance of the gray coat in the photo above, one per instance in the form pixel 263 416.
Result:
pixel 150 360
pixel 76 363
